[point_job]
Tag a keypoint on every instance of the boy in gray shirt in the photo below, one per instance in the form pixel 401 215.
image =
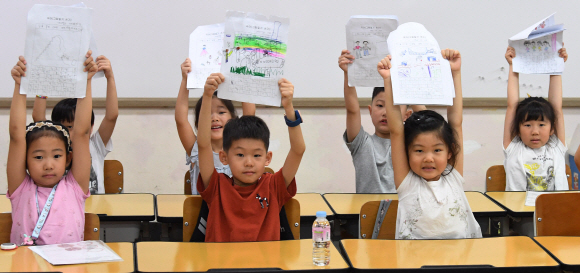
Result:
pixel 371 154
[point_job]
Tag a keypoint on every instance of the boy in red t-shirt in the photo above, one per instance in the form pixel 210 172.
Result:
pixel 246 206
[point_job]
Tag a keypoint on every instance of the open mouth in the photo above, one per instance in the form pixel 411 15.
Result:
pixel 217 127
pixel 383 121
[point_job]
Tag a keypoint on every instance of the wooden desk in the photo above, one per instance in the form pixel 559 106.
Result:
pixel 122 207
pixel 566 249
pixel 169 211
pixel 200 257
pixel 506 254
pixel 23 259
pixel 5 205
pixel 513 202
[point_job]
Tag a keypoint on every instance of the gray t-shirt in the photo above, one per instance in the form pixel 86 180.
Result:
pixel 371 156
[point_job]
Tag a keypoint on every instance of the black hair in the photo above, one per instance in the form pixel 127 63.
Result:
pixel 227 103
pixel 427 121
pixel 64 111
pixel 376 91
pixel 48 128
pixel 251 127
pixel 533 108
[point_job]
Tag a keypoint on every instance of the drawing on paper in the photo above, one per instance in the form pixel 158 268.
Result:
pixel 536 55
pixel 206 53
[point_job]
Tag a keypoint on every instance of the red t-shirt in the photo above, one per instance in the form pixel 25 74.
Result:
pixel 236 213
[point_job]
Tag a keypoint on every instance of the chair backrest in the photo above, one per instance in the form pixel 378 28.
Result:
pixel 292 208
pixel 92 227
pixel 269 170
pixel 187 183
pixel 192 206
pixel 495 178
pixel 557 214
pixel 368 217
pixel 113 172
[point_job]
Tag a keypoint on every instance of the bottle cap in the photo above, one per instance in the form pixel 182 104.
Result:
pixel 320 214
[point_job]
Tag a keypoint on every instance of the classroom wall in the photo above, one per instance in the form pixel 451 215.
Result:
pixel 146 142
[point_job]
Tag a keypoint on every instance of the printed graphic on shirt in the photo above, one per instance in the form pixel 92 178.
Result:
pixel 540 173
pixel 93 181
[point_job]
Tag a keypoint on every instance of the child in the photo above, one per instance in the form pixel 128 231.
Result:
pixel 222 111
pixel 64 113
pixel 38 157
pixel 371 154
pixel 246 207
pixel 428 166
pixel 533 137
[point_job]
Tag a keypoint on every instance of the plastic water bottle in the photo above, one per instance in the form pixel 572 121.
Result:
pixel 321 240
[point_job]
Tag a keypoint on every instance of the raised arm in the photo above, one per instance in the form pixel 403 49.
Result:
pixel 16 163
pixel 206 165
pixel 112 104
pixel 248 109
pixel 513 97
pixel 297 146
pixel 39 109
pixel 555 99
pixel 81 164
pixel 399 155
pixel 455 112
pixel 353 122
pixel 184 129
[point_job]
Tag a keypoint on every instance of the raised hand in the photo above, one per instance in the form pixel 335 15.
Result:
pixel 19 70
pixel 384 67
pixel 345 59
pixel 212 82
pixel 454 58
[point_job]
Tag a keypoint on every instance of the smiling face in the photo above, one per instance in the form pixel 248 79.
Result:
pixel 379 116
pixel 247 159
pixel 428 156
pixel 535 133
pixel 46 160
pixel 220 115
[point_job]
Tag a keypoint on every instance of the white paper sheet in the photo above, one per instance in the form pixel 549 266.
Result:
pixel 57 39
pixel 206 54
pixel 92 44
pixel 77 253
pixel 537 48
pixel 419 74
pixel 531 197
pixel 366 39
pixel 259 45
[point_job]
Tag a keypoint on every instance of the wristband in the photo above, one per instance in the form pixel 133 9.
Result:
pixel 42 97
pixel 293 123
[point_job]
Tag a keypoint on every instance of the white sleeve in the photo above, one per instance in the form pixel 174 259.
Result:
pixel 99 146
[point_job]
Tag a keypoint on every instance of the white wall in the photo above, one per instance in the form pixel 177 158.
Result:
pixel 146 142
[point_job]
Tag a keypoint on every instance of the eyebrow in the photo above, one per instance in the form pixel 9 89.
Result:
pixel 419 145
pixel 41 150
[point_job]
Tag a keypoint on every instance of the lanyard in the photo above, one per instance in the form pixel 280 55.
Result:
pixel 42 216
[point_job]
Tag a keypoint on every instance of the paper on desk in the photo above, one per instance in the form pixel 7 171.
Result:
pixel 93 43
pixel 57 39
pixel 206 54
pixel 419 74
pixel 537 48
pixel 531 197
pixel 366 39
pixel 77 253
pixel 259 45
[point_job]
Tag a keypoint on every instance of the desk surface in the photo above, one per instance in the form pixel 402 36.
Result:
pixel 565 248
pixel 122 207
pixel 24 260
pixel 170 206
pixel 175 257
pixel 5 205
pixel 351 203
pixel 502 252
pixel 513 201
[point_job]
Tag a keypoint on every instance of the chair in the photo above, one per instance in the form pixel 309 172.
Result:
pixel 92 227
pixel 269 170
pixel 187 183
pixel 113 171
pixel 193 205
pixel 368 219
pixel 557 214
pixel 495 178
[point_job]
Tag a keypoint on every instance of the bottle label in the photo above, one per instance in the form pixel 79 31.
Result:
pixel 321 234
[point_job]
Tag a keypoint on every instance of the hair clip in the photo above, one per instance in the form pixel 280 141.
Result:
pixel 59 128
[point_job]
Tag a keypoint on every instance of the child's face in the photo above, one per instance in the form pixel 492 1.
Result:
pixel 247 159
pixel 46 160
pixel 535 133
pixel 220 115
pixel 379 116
pixel 428 156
